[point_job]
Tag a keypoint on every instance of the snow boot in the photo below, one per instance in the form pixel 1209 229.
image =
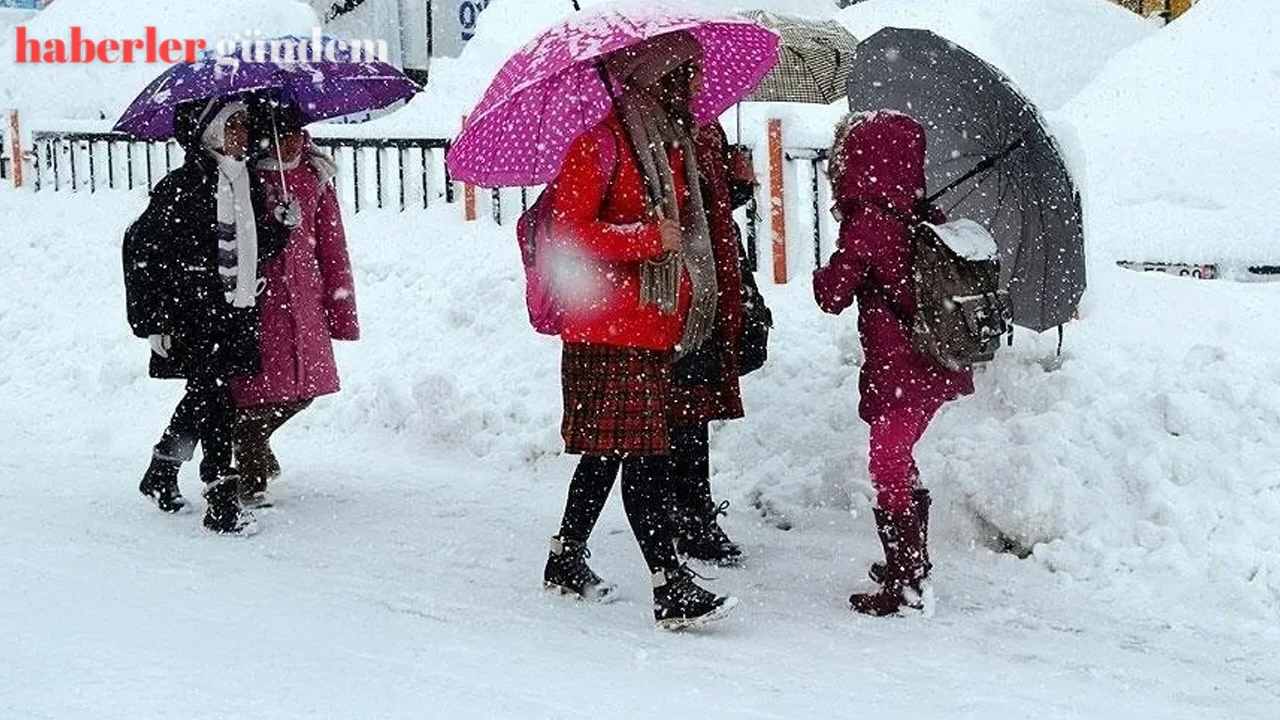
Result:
pixel 160 483
pixel 678 603
pixel 256 468
pixel 700 536
pixel 921 501
pixel 224 515
pixel 902 587
pixel 567 573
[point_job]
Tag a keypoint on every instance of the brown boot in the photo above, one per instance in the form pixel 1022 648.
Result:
pixel 904 568
pixel 921 501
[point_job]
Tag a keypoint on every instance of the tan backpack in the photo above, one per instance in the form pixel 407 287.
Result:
pixel 961 312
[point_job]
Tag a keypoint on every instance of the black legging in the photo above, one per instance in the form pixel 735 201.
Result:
pixel 206 414
pixel 690 484
pixel 644 493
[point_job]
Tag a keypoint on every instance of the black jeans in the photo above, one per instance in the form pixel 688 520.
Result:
pixel 206 414
pixel 644 497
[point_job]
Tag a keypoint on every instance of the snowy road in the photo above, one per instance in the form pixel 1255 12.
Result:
pixel 408 588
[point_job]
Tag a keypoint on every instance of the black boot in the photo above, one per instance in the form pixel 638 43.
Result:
pixel 224 515
pixel 678 603
pixel 921 501
pixel 567 573
pixel 902 587
pixel 701 537
pixel 160 483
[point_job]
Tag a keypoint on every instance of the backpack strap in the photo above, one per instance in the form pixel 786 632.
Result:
pixel 878 288
pixel 607 159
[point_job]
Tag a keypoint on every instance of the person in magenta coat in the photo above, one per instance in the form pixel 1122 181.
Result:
pixel 307 302
pixel 877 178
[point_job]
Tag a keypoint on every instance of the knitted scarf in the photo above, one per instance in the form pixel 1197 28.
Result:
pixel 237 228
pixel 653 133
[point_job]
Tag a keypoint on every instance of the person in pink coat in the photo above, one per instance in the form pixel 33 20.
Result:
pixel 307 302
pixel 877 177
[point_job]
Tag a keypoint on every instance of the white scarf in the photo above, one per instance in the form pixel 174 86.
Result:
pixel 238 230
pixel 321 160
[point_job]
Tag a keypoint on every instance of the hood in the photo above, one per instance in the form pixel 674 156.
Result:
pixel 878 161
pixel 191 119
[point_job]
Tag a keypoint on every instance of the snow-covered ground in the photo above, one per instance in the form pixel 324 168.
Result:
pixel 398 575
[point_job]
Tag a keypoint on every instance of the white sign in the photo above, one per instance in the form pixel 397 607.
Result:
pixel 453 23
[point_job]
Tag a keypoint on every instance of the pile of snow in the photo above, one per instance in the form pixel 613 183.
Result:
pixel 1183 132
pixel 100 91
pixel 1051 48
pixel 1147 456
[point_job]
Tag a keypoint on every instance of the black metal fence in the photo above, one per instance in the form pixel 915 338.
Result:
pixel 382 172
pixel 815 195
pixel 4 156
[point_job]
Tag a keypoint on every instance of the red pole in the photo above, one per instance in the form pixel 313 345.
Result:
pixel 468 194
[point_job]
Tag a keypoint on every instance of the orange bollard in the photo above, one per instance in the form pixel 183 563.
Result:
pixel 15 148
pixel 468 195
pixel 777 206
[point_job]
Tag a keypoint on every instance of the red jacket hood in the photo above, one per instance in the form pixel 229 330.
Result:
pixel 883 163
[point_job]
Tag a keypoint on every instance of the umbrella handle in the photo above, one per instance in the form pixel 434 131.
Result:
pixel 279 157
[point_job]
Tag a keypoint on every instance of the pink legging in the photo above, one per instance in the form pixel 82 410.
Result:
pixel 893 470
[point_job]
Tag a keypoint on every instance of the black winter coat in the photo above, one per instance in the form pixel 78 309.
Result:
pixel 172 285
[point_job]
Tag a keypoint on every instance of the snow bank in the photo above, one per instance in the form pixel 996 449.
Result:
pixel 101 91
pixel 1146 455
pixel 1051 48
pixel 1183 131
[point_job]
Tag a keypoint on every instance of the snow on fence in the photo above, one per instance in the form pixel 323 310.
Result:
pixel 380 173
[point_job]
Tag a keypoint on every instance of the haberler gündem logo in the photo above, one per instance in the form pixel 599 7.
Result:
pixel 150 48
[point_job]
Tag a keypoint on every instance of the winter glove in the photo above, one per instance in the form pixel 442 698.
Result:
pixel 160 344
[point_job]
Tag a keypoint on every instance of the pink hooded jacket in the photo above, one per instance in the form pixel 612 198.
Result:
pixel 883 157
pixel 309 299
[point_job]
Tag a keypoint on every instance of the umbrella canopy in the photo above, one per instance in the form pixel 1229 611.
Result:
pixel 815 57
pixel 317 90
pixel 552 90
pixel 990 159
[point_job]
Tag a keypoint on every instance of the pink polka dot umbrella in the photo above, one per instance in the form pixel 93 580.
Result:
pixel 551 90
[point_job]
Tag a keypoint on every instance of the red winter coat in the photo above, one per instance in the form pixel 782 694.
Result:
pixel 719 399
pixel 883 174
pixel 604 228
pixel 309 298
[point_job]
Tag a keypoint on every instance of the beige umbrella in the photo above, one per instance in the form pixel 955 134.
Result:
pixel 814 62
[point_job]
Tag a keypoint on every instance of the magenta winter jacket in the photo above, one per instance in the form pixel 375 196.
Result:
pixel 309 298
pixel 883 174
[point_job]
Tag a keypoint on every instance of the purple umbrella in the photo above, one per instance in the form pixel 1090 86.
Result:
pixel 551 91
pixel 318 90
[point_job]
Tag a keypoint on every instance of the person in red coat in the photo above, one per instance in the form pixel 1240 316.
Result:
pixel 308 298
pixel 705 384
pixel 635 277
pixel 877 178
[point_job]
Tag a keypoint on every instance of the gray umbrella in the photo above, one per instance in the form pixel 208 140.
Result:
pixel 813 66
pixel 990 159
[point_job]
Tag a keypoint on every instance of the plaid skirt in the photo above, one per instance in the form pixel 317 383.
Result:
pixel 615 400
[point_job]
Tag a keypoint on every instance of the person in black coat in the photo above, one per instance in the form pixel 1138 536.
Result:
pixel 191 280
